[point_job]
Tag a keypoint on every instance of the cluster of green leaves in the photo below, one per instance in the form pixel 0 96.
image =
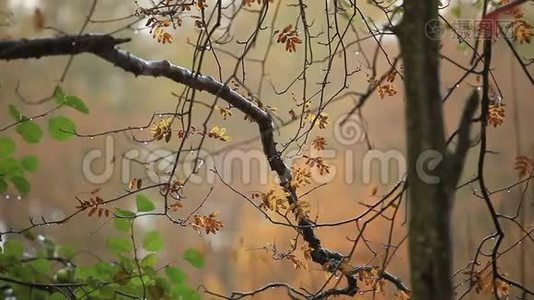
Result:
pixel 34 267
pixel 60 128
pixel 50 272
pixel 44 266
pixel 14 170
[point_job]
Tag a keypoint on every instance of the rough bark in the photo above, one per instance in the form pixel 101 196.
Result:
pixel 429 202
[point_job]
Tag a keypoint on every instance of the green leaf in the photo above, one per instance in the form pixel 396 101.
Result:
pixel 122 213
pixel 64 251
pixel 106 293
pixel 121 224
pixel 72 101
pixel 59 95
pixel 148 267
pixel 127 262
pixel 194 257
pixel 13 248
pixel 15 113
pixel 3 186
pixel 76 103
pixel 30 163
pixel 175 275
pixel 164 284
pixel 10 167
pixel 24 275
pixel 7 147
pixel 22 185
pixel 149 260
pixel 183 291
pixel 119 244
pixel 103 271
pixel 56 296
pixel 153 241
pixel 30 132
pixel 40 265
pixel 144 204
pixel 61 128
pixel 136 283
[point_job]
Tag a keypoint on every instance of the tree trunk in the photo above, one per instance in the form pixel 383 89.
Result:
pixel 429 201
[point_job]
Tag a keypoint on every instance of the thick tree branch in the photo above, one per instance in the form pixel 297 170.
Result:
pixel 457 160
pixel 105 47
pixel 61 45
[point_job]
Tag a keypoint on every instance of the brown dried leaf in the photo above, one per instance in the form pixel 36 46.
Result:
pixel 524 165
pixel 495 114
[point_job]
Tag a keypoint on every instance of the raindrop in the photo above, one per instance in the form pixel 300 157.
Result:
pixel 357 52
pixel 7 196
pixel 508 190
pixel 19 197
pixel 145 143
pixel 141 129
pixel 92 137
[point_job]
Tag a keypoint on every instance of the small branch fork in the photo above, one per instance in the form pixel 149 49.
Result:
pixel 105 46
